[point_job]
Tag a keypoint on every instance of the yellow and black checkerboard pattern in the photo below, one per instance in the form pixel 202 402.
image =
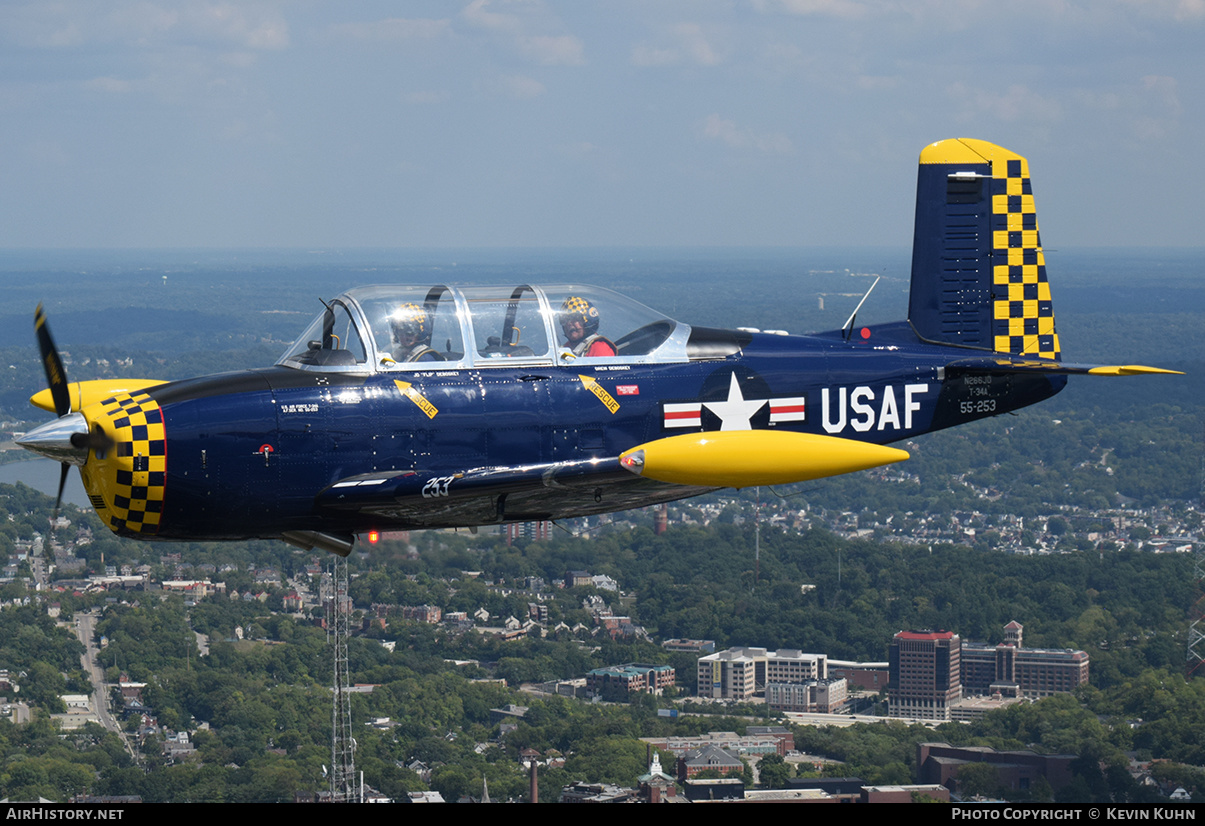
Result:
pixel 1023 315
pixel 137 466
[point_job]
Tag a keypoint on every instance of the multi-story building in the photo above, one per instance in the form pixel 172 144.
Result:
pixel 814 696
pixel 423 613
pixel 734 674
pixel 1010 669
pixel 788 665
pixel 791 679
pixel 616 682
pixel 924 674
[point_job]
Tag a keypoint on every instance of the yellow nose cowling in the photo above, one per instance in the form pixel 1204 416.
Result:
pixel 126 483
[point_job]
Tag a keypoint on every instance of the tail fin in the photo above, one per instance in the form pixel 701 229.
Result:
pixel 978 273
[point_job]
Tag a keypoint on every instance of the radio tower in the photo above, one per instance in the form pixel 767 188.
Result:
pixel 343 745
pixel 1196 615
pixel 1196 619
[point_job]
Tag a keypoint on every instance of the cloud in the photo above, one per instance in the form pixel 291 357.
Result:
pixel 1017 104
pixel 843 9
pixel 110 85
pixel 256 26
pixel 394 29
pixel 423 97
pixel 519 86
pixel 1164 91
pixel 143 24
pixel 564 50
pixel 1178 10
pixel 1151 108
pixel 252 26
pixel 689 44
pixel 477 14
pixel 543 47
pixel 727 132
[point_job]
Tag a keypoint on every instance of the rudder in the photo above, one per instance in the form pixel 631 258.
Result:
pixel 978 271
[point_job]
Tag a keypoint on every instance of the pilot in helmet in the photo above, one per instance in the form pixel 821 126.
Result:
pixel 579 322
pixel 411 326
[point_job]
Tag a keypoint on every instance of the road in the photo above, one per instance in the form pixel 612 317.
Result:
pixel 85 629
pixel 845 720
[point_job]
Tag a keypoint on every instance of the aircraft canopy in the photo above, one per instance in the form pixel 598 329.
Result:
pixel 405 328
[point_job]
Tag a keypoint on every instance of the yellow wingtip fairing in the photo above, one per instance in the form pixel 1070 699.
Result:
pixel 84 393
pixel 1132 370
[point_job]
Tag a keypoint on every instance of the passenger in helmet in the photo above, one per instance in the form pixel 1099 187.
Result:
pixel 411 327
pixel 579 322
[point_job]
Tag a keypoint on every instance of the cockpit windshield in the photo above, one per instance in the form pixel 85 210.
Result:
pixel 331 340
pixel 388 328
pixel 413 325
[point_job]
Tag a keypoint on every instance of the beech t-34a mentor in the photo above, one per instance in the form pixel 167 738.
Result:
pixel 439 405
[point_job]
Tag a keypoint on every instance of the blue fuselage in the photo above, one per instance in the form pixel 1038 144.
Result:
pixel 249 453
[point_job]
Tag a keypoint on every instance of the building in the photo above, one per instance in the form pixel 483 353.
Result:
pixel 756 740
pixel 814 696
pixel 1010 669
pixel 866 676
pixel 791 666
pixel 708 758
pixel 924 674
pixel 690 646
pixel 1016 770
pixel 790 679
pixel 927 793
pixel 616 682
pixel 423 613
pixel 582 792
pixel 733 674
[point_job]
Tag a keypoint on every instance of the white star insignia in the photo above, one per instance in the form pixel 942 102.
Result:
pixel 735 412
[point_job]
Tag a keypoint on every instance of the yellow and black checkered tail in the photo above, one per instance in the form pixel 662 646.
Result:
pixel 978 271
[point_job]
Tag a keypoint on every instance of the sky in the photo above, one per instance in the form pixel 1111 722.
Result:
pixel 312 125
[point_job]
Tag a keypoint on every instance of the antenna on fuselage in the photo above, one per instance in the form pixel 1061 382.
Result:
pixel 848 327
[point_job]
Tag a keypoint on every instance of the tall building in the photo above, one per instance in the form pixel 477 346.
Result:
pixel 1012 670
pixel 734 674
pixel 924 674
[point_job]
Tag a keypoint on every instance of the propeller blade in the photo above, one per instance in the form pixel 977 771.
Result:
pixel 58 500
pixel 56 376
pixel 95 439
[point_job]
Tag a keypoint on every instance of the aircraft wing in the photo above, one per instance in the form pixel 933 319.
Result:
pixel 1003 364
pixel 481 496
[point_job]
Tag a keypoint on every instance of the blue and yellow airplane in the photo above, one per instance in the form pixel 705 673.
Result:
pixel 440 405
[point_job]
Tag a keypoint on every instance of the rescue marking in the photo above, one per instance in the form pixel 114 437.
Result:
pixel 418 398
pixel 597 389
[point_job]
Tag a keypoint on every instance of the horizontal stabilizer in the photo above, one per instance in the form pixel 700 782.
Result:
pixel 743 458
pixel 1130 370
pixel 1001 365
pixel 84 393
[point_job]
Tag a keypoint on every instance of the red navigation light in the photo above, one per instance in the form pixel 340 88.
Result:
pixel 373 536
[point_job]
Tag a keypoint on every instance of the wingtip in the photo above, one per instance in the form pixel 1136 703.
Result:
pixel 1132 370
